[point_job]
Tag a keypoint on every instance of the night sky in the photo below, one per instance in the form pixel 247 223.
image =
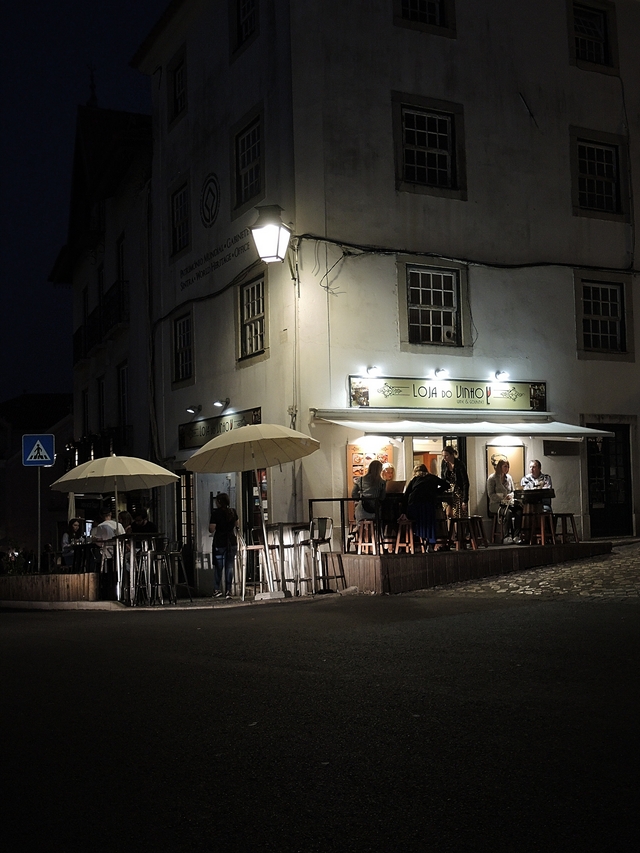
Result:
pixel 47 48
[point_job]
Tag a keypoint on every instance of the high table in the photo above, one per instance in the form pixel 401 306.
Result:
pixel 532 501
pixel 133 554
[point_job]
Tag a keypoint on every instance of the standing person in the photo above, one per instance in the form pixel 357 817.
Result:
pixel 454 471
pixel 500 491
pixel 70 538
pixel 223 525
pixel 366 490
pixel 103 534
pixel 535 479
pixel 424 498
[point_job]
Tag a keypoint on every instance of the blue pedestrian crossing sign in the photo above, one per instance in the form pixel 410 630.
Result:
pixel 38 450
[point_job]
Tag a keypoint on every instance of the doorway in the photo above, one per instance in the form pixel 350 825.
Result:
pixel 609 475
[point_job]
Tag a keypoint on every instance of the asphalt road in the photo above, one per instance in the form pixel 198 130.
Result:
pixel 428 722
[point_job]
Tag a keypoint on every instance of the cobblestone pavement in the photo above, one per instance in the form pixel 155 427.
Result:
pixel 614 576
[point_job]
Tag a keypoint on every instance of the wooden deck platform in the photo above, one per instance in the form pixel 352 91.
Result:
pixel 54 587
pixel 394 573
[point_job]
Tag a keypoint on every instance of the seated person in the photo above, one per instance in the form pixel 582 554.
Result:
pixel 501 503
pixel 141 523
pixel 70 538
pixel 535 479
pixel 103 534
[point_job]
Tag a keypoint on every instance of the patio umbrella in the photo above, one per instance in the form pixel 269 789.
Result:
pixel 71 509
pixel 249 448
pixel 114 474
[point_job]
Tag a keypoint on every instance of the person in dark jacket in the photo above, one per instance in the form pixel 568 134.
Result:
pixel 423 497
pixel 222 525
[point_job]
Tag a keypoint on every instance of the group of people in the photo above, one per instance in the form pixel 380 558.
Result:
pixel 500 489
pixel 427 499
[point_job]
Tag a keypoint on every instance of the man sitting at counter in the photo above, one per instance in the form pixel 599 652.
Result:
pixel 535 479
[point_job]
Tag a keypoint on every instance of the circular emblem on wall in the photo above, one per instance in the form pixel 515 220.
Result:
pixel 209 200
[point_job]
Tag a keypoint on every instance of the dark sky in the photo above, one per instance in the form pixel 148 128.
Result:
pixel 47 46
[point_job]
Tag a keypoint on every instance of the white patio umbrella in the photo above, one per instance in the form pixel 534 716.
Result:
pixel 248 448
pixel 114 474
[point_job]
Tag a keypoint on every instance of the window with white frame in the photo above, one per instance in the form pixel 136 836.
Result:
pixel 248 162
pixel 592 35
pixel 435 16
pixel 433 306
pixel 180 228
pixel 182 349
pixel 604 316
pixel 429 141
pixel 243 17
pixel 599 174
pixel 252 318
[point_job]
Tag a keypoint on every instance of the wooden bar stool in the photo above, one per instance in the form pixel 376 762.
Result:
pixel 404 539
pixel 333 568
pixel 459 530
pixel 366 537
pixel 542 527
pixel 477 528
pixel 565 518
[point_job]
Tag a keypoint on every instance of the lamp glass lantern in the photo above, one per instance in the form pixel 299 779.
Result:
pixel 270 234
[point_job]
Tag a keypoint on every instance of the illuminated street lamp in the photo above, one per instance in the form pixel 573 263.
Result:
pixel 270 234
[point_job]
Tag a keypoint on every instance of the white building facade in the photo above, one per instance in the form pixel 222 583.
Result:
pixel 459 180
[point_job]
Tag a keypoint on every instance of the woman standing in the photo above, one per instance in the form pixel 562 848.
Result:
pixel 368 489
pixel 454 471
pixel 500 491
pixel 222 525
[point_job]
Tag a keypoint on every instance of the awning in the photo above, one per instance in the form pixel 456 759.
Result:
pixel 370 422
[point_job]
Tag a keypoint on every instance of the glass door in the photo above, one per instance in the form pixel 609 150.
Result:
pixel 609 474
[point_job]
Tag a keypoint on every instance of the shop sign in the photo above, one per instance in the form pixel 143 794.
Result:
pixel 198 433
pixel 390 392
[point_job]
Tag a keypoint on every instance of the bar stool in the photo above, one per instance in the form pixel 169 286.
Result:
pixel 404 538
pixel 459 530
pixel 366 537
pixel 333 560
pixel 477 528
pixel 178 570
pixel 565 518
pixel 541 526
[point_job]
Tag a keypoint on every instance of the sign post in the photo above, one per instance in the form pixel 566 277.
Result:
pixel 38 451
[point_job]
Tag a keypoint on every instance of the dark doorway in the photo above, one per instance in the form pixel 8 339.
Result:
pixel 609 472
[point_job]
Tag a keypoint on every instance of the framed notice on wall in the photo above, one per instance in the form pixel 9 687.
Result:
pixel 514 456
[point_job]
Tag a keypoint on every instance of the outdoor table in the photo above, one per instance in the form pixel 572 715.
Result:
pixel 130 550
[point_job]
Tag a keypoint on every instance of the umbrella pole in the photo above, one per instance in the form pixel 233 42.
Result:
pixel 267 553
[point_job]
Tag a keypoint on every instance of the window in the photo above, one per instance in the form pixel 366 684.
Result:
pixel 100 387
pixel 252 318
pixel 604 316
pixel 120 271
pixel 182 349
pixel 243 20
pixel 248 163
pixel 429 147
pixel 431 304
pixel 599 174
pixel 592 36
pixel 84 402
pixel 177 87
pixel 431 16
pixel 180 231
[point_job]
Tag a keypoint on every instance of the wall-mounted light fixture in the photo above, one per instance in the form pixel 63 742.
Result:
pixel 373 371
pixel 441 373
pixel 270 234
pixel 221 404
pixel 501 375
pixel 194 409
